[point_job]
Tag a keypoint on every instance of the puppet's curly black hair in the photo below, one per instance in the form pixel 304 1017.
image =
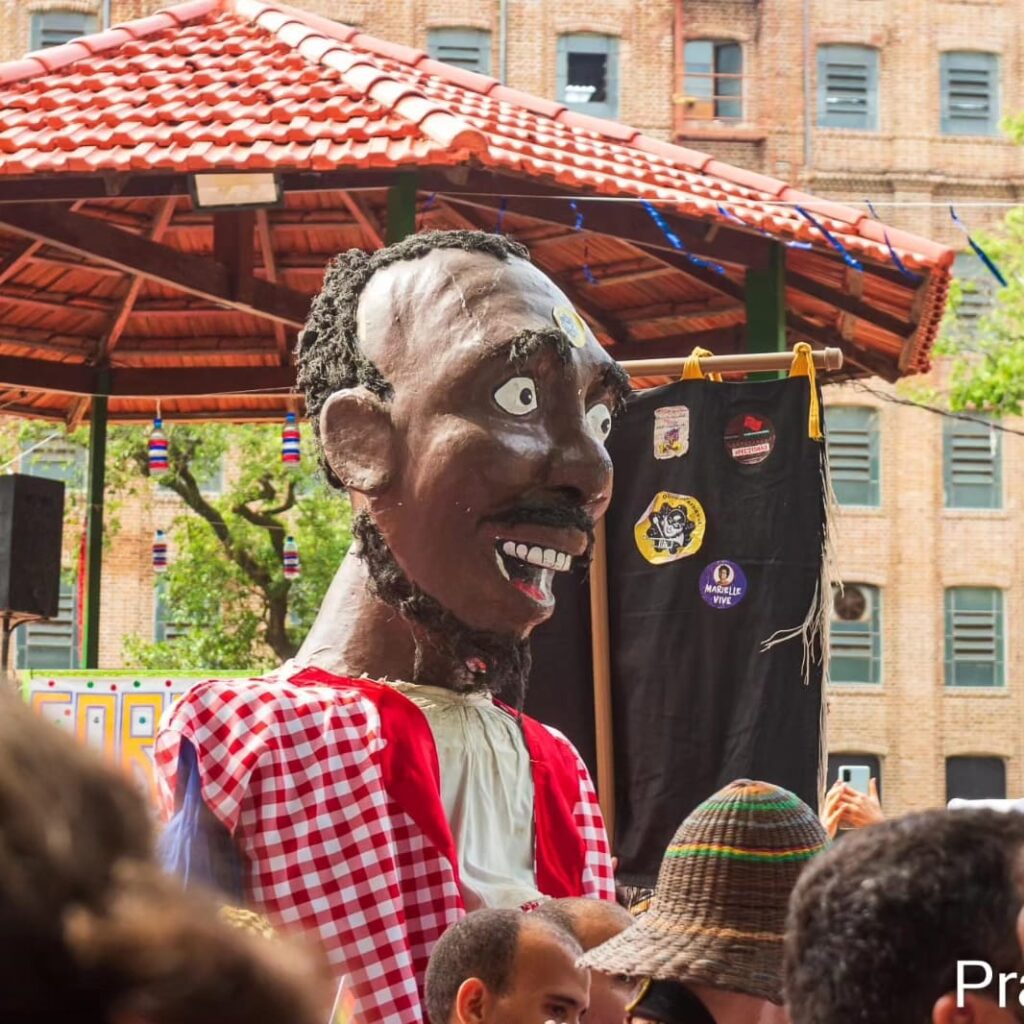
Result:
pixel 328 353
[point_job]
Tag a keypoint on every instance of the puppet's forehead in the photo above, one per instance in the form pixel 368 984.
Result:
pixel 458 295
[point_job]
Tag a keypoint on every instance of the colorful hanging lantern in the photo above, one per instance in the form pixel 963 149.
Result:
pixel 291 454
pixel 160 552
pixel 157 448
pixel 292 566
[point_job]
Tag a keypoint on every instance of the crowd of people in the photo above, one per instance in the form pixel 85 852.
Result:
pixel 757 918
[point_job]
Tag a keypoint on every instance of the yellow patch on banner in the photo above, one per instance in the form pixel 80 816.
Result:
pixel 671 528
pixel 571 324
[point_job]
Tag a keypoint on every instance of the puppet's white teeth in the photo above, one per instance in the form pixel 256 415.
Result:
pixel 501 565
pixel 563 562
pixel 521 552
pixel 550 558
pixel 535 556
pixel 509 548
pixel 542 558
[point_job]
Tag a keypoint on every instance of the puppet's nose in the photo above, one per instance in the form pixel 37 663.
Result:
pixel 581 470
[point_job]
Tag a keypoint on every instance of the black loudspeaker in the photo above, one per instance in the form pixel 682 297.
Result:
pixel 31 525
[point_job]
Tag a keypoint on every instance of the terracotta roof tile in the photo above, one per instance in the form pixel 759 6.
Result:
pixel 251 83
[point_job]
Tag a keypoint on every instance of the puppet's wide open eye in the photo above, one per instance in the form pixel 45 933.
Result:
pixel 517 396
pixel 599 419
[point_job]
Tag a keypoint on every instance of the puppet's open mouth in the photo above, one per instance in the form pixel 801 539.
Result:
pixel 531 568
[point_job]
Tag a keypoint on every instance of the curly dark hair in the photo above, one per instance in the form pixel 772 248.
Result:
pixel 878 922
pixel 329 355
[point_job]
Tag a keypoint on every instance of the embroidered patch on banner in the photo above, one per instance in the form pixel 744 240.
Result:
pixel 723 585
pixel 749 438
pixel 671 528
pixel 671 431
pixel 571 324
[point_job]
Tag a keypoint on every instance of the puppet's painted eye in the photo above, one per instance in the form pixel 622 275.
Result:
pixel 517 396
pixel 599 419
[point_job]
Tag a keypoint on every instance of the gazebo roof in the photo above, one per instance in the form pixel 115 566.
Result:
pixel 112 277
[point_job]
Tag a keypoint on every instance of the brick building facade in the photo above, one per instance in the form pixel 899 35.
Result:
pixel 883 99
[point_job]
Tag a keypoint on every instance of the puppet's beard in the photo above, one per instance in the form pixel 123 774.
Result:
pixel 479 660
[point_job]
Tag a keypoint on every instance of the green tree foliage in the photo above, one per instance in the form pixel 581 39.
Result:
pixel 225 585
pixel 988 356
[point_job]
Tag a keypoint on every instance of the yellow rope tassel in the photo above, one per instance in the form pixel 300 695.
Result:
pixel 691 368
pixel 803 366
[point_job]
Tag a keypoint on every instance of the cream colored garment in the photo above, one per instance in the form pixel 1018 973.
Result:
pixel 487 792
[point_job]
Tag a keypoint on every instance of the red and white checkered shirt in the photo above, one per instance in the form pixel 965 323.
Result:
pixel 330 787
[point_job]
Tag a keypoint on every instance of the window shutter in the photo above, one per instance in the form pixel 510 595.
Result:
pixel 855 642
pixel 162 628
pixel 971 465
pixel 848 87
pixel 52 28
pixel 468 48
pixel 970 93
pixel 852 438
pixel 974 636
pixel 53 644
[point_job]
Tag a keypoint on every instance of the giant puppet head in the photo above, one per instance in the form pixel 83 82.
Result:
pixel 464 405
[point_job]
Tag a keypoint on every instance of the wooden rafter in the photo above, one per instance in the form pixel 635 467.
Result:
pixel 196 275
pixel 872 362
pixel 364 217
pixel 266 242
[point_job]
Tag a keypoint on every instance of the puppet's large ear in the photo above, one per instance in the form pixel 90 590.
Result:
pixel 358 439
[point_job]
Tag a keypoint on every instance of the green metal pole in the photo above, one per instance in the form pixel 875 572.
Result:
pixel 94 523
pixel 401 207
pixel 766 308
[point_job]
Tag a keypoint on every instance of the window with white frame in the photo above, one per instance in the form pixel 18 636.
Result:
pixel 52 644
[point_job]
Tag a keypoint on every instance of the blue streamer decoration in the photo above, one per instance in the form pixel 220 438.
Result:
pixel 588 275
pixel 848 259
pixel 502 207
pixel 428 205
pixel 676 243
pixel 900 265
pixel 978 251
pixel 791 244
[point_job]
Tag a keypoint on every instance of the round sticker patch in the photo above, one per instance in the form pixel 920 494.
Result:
pixel 571 324
pixel 723 584
pixel 749 438
pixel 670 529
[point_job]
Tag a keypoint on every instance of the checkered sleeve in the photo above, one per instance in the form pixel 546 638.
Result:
pixel 598 877
pixel 233 726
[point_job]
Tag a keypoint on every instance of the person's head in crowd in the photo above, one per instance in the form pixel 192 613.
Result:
pixel 879 924
pixel 506 967
pixel 90 929
pixel 594 922
pixel 710 946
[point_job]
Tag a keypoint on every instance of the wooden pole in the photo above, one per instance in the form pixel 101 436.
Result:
pixel 602 666
pixel 401 207
pixel 825 359
pixel 94 525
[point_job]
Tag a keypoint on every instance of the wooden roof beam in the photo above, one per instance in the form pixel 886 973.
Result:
pixel 164 382
pixel 196 275
pixel 869 361
pixel 364 217
pixel 266 241
pixel 850 304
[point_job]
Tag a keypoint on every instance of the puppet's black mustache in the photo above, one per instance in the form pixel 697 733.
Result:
pixel 569 516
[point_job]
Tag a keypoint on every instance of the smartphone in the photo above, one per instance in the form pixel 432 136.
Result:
pixel 856 776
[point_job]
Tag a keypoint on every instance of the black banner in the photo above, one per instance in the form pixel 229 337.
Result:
pixel 715 537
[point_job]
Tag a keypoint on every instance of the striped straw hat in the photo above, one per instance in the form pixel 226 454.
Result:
pixel 719 909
